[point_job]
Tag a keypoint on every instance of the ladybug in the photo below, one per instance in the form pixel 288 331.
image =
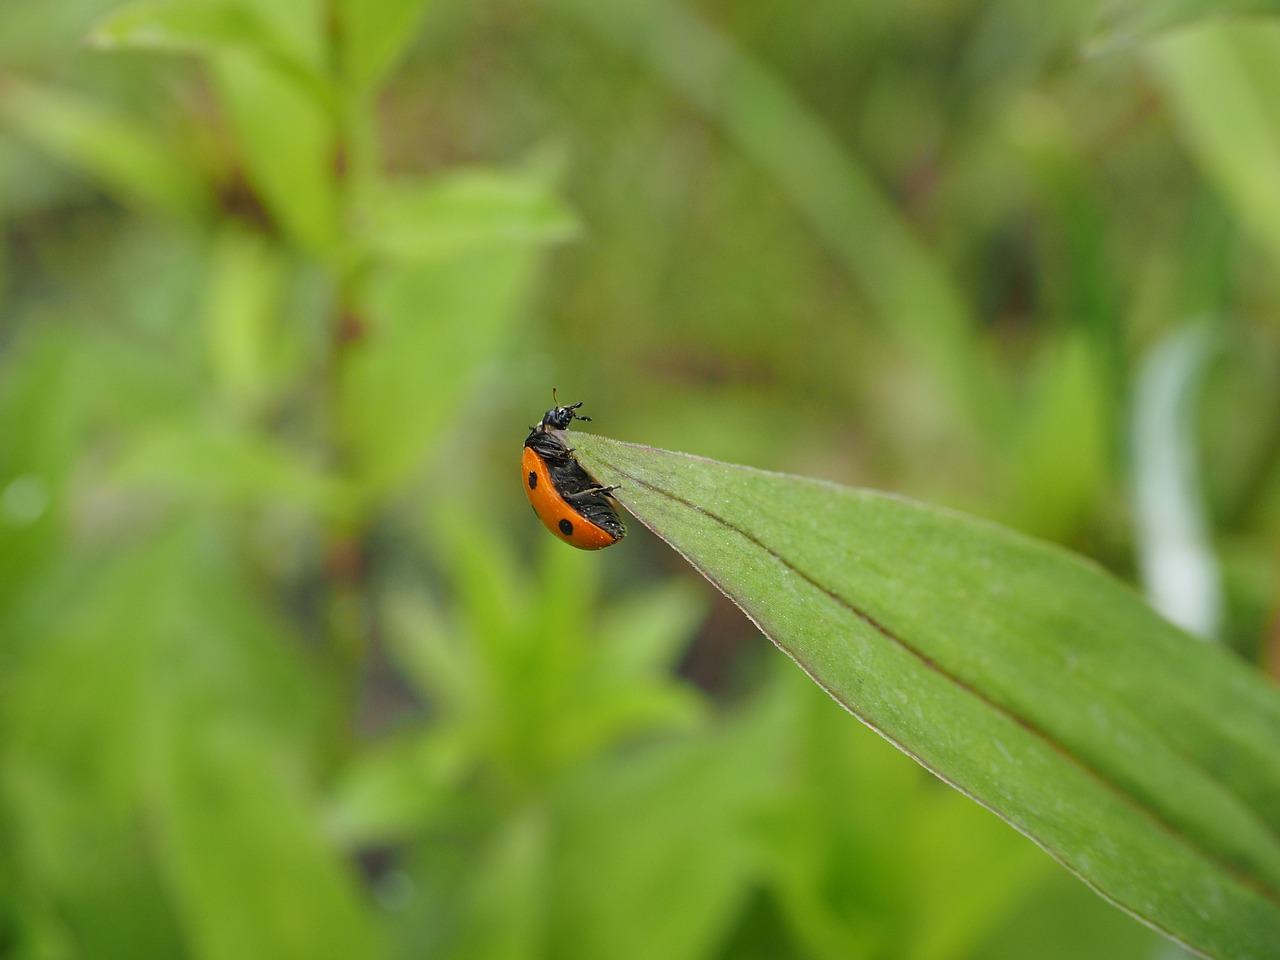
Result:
pixel 570 502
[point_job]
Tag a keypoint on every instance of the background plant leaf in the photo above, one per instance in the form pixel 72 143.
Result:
pixel 375 36
pixel 1124 24
pixel 1143 760
pixel 265 63
pixel 286 136
pixel 412 220
pixel 432 326
pixel 1217 79
pixel 128 160
pixel 183 28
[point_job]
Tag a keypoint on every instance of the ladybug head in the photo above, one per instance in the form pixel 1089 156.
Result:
pixel 558 418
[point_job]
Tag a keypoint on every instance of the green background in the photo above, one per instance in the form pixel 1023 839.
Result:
pixel 287 669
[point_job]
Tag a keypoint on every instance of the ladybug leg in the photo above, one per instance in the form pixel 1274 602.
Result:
pixel 591 490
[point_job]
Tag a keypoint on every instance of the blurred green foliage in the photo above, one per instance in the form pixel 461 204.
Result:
pixel 286 668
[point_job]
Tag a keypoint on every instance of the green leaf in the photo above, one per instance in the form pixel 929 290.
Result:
pixel 622 882
pixel 299 26
pixel 1218 80
pixel 522 670
pixel 416 221
pixel 431 327
pixel 285 34
pixel 266 60
pixel 241 847
pixel 1145 761
pixel 153 631
pixel 218 462
pixel 286 134
pixel 251 346
pixel 391 788
pixel 1127 23
pixel 1058 456
pixel 181 27
pixel 128 160
pixel 647 633
pixel 48 390
pixel 288 31
pixel 504 900
pixel 237 831
pixel 375 35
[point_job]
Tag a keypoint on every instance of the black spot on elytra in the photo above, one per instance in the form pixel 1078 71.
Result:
pixel 533 480
pixel 566 528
